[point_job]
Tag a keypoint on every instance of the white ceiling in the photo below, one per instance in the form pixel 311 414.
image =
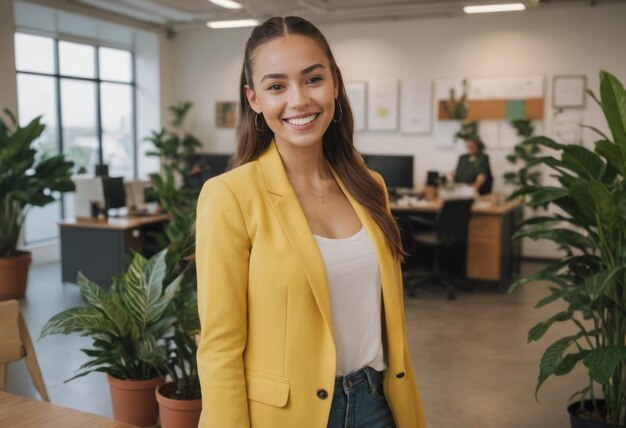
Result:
pixel 180 14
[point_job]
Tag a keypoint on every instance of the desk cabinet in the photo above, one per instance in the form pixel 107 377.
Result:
pixel 100 249
pixel 492 255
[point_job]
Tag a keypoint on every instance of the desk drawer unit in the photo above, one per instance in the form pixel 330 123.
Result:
pixel 97 253
pixel 483 247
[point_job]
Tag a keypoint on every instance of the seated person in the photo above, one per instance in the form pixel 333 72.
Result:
pixel 473 167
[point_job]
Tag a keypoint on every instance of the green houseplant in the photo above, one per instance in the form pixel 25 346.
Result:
pixel 26 180
pixel 523 153
pixel 129 324
pixel 591 278
pixel 179 399
pixel 456 108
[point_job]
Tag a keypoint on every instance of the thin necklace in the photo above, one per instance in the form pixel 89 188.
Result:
pixel 323 198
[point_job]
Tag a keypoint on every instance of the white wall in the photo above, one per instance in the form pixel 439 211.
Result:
pixel 571 40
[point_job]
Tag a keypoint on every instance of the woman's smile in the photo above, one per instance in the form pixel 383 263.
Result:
pixel 302 122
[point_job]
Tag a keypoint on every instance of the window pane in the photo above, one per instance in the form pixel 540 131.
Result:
pixel 115 64
pixel 34 53
pixel 117 125
pixel 77 60
pixel 37 96
pixel 68 205
pixel 42 223
pixel 78 113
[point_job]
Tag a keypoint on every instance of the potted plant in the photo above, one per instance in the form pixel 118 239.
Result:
pixel 591 278
pixel 523 153
pixel 179 399
pixel 128 324
pixel 456 110
pixel 26 180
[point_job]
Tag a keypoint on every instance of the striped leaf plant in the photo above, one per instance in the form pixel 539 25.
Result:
pixel 128 322
pixel 589 224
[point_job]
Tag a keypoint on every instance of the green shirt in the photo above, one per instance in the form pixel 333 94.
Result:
pixel 469 168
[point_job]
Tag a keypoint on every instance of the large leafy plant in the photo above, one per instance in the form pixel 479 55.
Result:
pixel 26 179
pixel 591 278
pixel 175 148
pixel 128 323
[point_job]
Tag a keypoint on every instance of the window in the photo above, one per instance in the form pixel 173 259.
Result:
pixel 86 95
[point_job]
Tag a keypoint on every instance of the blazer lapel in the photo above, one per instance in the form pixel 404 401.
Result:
pixel 286 206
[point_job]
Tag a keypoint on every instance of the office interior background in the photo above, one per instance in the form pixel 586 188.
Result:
pixel 470 355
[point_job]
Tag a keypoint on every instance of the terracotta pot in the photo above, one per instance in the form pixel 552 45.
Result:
pixel 14 276
pixel 133 400
pixel 178 413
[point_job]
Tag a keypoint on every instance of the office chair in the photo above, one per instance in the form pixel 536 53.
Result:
pixel 16 344
pixel 448 230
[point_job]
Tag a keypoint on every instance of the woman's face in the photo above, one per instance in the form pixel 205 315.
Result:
pixel 294 89
pixel 472 148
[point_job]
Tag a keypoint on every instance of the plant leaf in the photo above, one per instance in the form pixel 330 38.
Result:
pixel 613 99
pixel 597 283
pixel 552 358
pixel 602 362
pixel 78 320
pixel 540 329
pixel 569 362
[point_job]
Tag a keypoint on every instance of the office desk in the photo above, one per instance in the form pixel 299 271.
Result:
pixel 22 412
pixel 491 253
pixel 99 248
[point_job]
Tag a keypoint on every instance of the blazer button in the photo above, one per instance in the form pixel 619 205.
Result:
pixel 322 394
pixel 400 375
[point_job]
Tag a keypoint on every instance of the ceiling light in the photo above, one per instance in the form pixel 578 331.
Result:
pixel 488 8
pixel 228 4
pixel 233 24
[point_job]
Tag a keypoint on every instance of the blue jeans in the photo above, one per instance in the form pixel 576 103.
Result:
pixel 359 401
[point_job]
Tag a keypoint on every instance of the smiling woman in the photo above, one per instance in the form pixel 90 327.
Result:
pixel 298 257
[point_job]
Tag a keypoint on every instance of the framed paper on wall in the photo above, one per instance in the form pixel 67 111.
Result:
pixel 416 106
pixel 225 114
pixel 357 97
pixel 382 105
pixel 568 91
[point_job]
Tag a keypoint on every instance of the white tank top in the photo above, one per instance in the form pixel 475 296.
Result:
pixel 355 296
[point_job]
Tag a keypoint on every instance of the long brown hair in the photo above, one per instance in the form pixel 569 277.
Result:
pixel 254 136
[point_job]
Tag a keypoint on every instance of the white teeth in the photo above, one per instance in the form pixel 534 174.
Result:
pixel 302 120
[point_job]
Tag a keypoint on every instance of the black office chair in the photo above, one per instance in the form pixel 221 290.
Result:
pixel 447 231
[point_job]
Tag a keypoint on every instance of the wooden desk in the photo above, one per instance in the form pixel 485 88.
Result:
pixel 22 412
pixel 491 253
pixel 98 248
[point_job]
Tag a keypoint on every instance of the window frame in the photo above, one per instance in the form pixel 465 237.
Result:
pixel 58 77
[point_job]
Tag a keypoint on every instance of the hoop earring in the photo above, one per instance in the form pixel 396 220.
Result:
pixel 255 123
pixel 340 112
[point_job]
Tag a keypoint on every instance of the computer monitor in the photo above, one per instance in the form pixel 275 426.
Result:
pixel 114 192
pixel 205 166
pixel 396 170
pixel 432 178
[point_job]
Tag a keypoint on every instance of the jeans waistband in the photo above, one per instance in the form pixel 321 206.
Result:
pixel 366 376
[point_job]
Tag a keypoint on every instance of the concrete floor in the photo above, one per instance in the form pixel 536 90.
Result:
pixel 474 367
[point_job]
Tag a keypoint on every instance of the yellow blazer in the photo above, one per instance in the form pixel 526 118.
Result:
pixel 267 347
